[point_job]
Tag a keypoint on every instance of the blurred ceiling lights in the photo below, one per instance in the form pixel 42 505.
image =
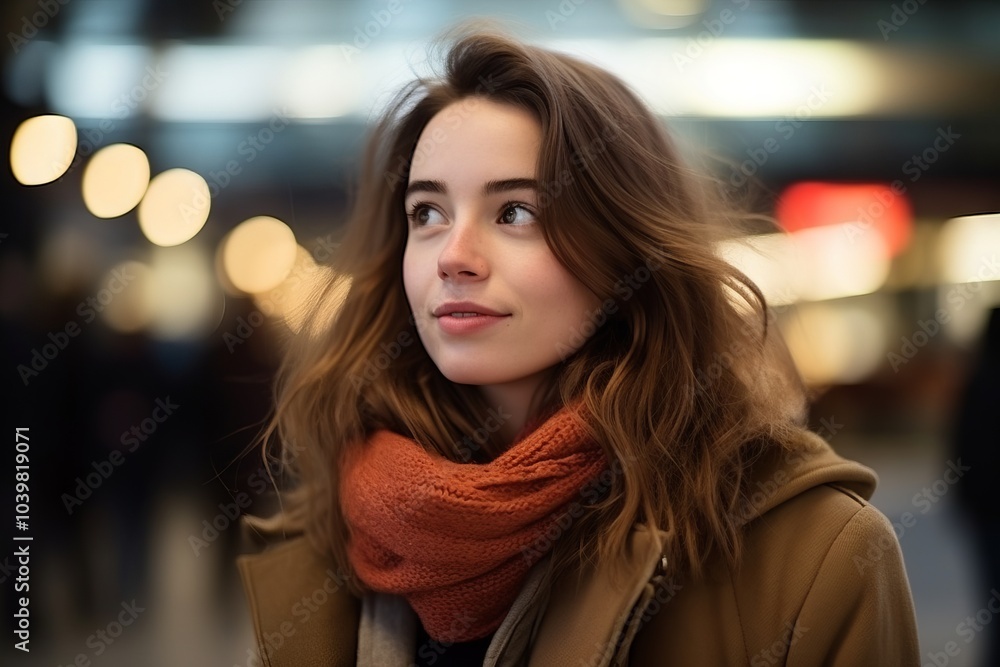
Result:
pixel 812 264
pixel 717 77
pixel 664 14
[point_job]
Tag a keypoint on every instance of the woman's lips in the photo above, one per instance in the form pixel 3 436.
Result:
pixel 464 323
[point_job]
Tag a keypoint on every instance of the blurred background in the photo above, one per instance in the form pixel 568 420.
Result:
pixel 179 172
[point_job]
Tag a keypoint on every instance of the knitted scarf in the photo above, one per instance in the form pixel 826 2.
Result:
pixel 457 539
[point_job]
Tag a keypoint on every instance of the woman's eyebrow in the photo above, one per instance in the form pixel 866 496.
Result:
pixel 489 188
pixel 425 186
pixel 496 187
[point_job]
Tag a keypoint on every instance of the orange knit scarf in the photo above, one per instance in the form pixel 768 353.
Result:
pixel 457 539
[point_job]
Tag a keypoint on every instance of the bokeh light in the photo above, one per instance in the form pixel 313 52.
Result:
pixel 968 249
pixel 838 343
pixel 115 180
pixel 311 294
pixel 130 310
pixel 258 254
pixel 185 301
pixel 175 207
pixel 42 149
pixel 815 264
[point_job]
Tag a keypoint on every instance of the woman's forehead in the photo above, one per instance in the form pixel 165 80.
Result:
pixel 469 145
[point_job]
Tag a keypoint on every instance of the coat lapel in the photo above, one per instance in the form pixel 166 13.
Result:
pixel 301 609
pixel 593 615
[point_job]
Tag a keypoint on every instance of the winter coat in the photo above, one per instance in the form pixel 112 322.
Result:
pixel 821 582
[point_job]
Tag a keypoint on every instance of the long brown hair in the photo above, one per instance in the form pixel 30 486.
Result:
pixel 683 379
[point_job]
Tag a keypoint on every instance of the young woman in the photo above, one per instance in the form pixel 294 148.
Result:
pixel 549 425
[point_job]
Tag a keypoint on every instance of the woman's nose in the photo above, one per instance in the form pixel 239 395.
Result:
pixel 464 255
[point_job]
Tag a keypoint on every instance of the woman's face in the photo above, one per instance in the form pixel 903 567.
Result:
pixel 492 304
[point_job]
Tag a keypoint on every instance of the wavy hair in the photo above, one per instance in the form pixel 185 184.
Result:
pixel 683 380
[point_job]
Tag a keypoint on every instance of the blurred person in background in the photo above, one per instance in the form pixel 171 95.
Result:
pixel 548 423
pixel 976 450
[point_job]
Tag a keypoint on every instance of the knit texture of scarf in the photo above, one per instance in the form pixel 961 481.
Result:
pixel 457 539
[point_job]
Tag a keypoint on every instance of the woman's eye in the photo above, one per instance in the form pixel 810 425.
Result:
pixel 421 215
pixel 516 214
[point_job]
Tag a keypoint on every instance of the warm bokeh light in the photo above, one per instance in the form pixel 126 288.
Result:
pixel 969 273
pixel 129 310
pixel 796 78
pixel 765 259
pixel 185 300
pixel 811 265
pixel 835 263
pixel 664 14
pixel 258 254
pixel 42 149
pixel 969 247
pixel 297 298
pixel 865 207
pixel 115 180
pixel 175 207
pixel 287 296
pixel 837 343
